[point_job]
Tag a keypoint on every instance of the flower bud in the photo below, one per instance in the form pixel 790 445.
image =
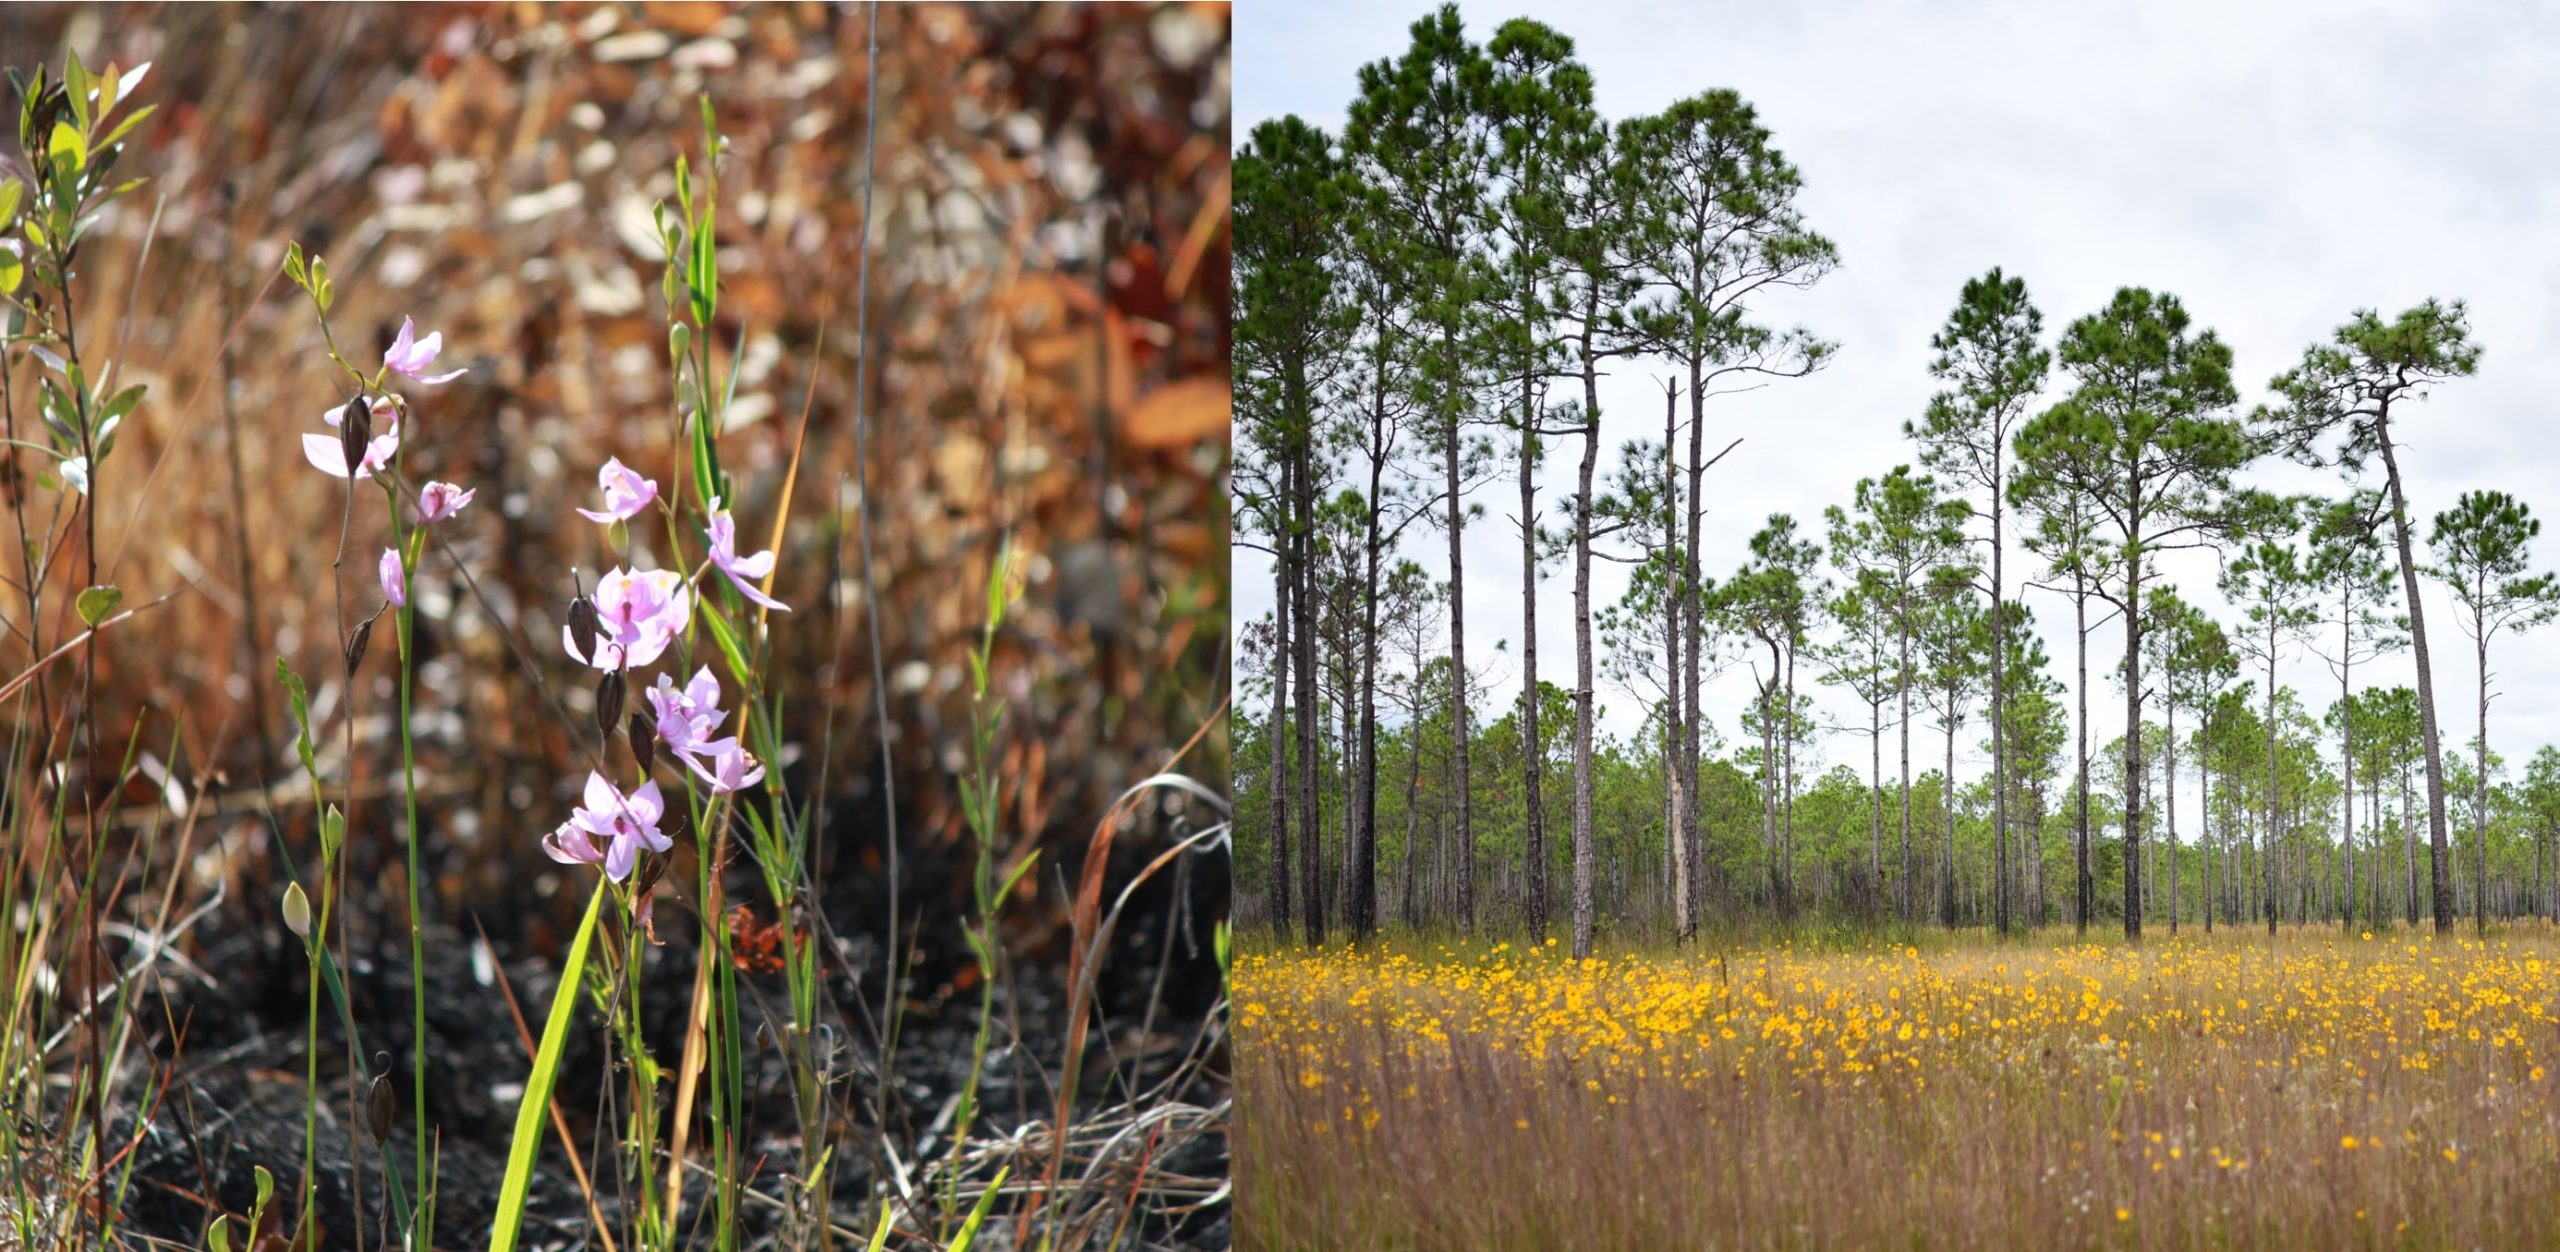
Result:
pixel 355 431
pixel 297 911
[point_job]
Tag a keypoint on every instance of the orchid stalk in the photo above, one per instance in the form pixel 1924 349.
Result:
pixel 355 454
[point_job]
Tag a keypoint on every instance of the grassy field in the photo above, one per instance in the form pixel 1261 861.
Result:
pixel 2315 1089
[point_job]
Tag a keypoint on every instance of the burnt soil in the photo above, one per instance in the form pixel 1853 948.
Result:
pixel 234 1097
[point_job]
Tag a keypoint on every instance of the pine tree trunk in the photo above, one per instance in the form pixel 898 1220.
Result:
pixel 1693 595
pixel 2480 809
pixel 1686 859
pixel 1947 801
pixel 1787 793
pixel 2266 837
pixel 1875 802
pixel 1412 811
pixel 1466 849
pixel 2133 738
pixel 1902 681
pixel 1310 724
pixel 1532 756
pixel 2437 850
pixel 1282 889
pixel 2169 785
pixel 2088 880
pixel 1364 837
pixel 1999 704
pixel 2204 834
pixel 1583 904
pixel 2347 756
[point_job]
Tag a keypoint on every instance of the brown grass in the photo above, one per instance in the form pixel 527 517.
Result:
pixel 2196 1093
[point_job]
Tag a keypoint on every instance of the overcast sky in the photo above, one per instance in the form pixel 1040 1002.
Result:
pixel 2275 166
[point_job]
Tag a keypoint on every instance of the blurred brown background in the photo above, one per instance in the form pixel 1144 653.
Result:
pixel 1047 354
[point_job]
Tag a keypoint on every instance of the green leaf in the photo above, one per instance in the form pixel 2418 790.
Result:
pixel 978 1214
pixel 1014 879
pixel 217 1237
pixel 12 271
pixel 998 582
pixel 97 603
pixel 126 126
pixel 122 402
pixel 68 144
pixel 880 1237
pixel 132 80
pixel 266 1191
pixel 78 86
pixel 12 192
pixel 727 639
pixel 537 1087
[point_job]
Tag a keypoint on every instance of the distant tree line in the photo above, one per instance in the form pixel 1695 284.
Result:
pixel 1425 306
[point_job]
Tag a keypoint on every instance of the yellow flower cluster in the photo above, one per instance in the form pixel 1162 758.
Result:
pixel 2344 1006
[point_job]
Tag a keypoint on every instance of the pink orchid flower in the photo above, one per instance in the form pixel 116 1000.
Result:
pixel 688 717
pixel 611 828
pixel 743 571
pixel 327 455
pixel 438 501
pixel 409 356
pixel 395 580
pixel 637 616
pixel 734 769
pixel 625 493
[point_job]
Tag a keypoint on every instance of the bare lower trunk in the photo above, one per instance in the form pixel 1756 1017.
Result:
pixel 2169 790
pixel 1787 793
pixel 1364 831
pixel 1685 856
pixel 2347 762
pixel 1532 755
pixel 1412 811
pixel 1908 865
pixel 1999 712
pixel 2133 743
pixel 1875 803
pixel 2204 836
pixel 2436 841
pixel 1282 896
pixel 1947 798
pixel 1310 725
pixel 1693 596
pixel 2088 882
pixel 2267 837
pixel 1583 887
pixel 1466 850
pixel 2480 805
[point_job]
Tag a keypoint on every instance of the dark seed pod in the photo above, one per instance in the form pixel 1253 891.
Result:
pixel 357 641
pixel 582 625
pixel 644 744
pixel 355 431
pixel 379 1100
pixel 609 697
